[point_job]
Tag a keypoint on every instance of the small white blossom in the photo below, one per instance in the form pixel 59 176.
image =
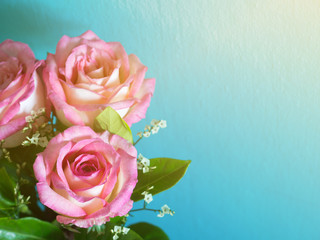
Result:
pixel 29 119
pixel 145 161
pixel 140 157
pixel 25 129
pixel 145 169
pixel 25 143
pixel 41 111
pixel 148 198
pixel 155 129
pixel 34 139
pixel 161 214
pixel 147 128
pixel 165 209
pixel 125 230
pixel 43 141
pixel 155 122
pixel 139 166
pixel 146 134
pixel 163 124
pixel 117 229
pixel 33 114
pixel 115 237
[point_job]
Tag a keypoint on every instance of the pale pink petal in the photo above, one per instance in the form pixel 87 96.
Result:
pixel 36 99
pixel 64 47
pixel 89 35
pixel 138 70
pixel 58 203
pixel 122 55
pixel 82 223
pixel 12 127
pixel 138 111
pixel 21 50
pixel 82 96
pixel 77 133
pixel 97 73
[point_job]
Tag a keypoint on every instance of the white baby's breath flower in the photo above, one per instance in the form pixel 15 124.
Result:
pixel 146 134
pixel 29 119
pixel 163 124
pixel 145 161
pixel 145 169
pixel 140 156
pixel 33 114
pixel 148 198
pixel 155 129
pixel 155 122
pixel 34 139
pixel 125 230
pixel 161 214
pixel 43 141
pixel 140 166
pixel 41 111
pixel 165 209
pixel 115 237
pixel 25 143
pixel 117 229
pixel 147 128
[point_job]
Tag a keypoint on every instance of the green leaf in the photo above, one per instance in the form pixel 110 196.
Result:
pixel 167 173
pixel 29 229
pixel 7 197
pixel 148 231
pixel 110 120
pixel 131 235
pixel 118 220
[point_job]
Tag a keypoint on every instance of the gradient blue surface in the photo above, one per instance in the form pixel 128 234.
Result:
pixel 238 83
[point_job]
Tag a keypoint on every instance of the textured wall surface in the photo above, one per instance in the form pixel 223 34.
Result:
pixel 239 85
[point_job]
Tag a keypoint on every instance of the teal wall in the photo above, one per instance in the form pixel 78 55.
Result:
pixel 239 85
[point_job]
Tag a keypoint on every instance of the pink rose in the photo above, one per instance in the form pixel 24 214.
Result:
pixel 21 90
pixel 86 177
pixel 87 74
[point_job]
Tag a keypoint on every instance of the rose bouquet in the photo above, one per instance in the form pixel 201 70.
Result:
pixel 69 168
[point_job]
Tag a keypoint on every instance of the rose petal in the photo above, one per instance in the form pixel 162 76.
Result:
pixel 138 111
pixel 82 96
pixel 83 223
pixel 58 203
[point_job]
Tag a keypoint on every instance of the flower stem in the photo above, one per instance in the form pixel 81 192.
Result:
pixel 141 209
pixel 137 141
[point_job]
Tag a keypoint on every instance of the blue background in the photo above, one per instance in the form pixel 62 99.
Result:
pixel 237 82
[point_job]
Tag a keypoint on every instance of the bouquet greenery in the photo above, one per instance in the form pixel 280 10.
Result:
pixel 69 168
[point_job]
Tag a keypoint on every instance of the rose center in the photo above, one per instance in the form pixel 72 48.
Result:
pixel 85 165
pixel 87 168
